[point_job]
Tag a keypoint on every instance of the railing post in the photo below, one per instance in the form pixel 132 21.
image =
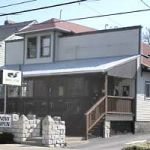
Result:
pixel 87 124
pixel 106 93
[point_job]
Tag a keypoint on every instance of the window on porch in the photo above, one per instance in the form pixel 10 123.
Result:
pixel 13 91
pixel 27 88
pixel 1 91
pixel 147 89
pixel 121 86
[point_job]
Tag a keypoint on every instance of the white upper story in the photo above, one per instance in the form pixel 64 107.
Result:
pixel 52 45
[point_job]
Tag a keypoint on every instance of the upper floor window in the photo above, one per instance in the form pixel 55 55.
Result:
pixel 45 46
pixel 147 89
pixel 32 47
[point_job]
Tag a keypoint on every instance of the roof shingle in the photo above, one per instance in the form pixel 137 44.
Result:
pixel 145 53
pixel 57 24
pixel 9 29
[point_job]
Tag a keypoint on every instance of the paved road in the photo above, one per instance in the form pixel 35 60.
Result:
pixel 113 143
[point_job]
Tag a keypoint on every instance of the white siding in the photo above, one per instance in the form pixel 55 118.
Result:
pixel 127 70
pixel 2 53
pixel 14 52
pixel 143 104
pixel 106 44
pixel 39 59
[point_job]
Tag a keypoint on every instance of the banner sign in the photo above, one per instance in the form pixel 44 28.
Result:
pixel 12 77
pixel 5 120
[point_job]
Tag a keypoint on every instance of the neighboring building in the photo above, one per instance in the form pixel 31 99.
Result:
pixel 86 76
pixel 7 31
pixel 143 91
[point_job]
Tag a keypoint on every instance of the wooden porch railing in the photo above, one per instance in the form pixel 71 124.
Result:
pixel 94 114
pixel 115 104
pixel 118 104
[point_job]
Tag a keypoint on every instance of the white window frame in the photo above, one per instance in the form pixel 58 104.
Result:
pixel 28 53
pixel 42 46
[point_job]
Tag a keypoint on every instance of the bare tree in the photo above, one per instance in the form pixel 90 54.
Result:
pixel 146 36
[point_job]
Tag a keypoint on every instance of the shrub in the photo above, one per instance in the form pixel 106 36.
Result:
pixel 6 138
pixel 138 147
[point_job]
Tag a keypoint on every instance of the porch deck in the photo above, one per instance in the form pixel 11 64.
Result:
pixel 114 108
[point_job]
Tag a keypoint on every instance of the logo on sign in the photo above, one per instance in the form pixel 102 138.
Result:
pixel 13 75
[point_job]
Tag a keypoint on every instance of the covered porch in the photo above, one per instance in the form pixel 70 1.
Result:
pixel 82 99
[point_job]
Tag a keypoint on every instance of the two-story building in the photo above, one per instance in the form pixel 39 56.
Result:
pixel 86 76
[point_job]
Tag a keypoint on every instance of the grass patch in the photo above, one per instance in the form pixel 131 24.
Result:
pixel 140 146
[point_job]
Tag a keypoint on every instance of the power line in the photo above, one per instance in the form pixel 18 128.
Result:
pixel 145 3
pixel 40 8
pixel 14 4
pixel 102 14
pixel 107 15
pixel 74 19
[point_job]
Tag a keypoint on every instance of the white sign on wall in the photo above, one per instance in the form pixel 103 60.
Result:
pixel 5 120
pixel 11 77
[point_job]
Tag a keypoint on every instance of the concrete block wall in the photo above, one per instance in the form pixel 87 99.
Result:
pixel 142 127
pixel 23 128
pixel 53 133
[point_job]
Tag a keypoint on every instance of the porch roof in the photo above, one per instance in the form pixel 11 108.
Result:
pixel 73 66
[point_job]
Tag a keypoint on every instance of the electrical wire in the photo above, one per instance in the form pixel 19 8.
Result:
pixel 101 14
pixel 107 15
pixel 74 19
pixel 145 3
pixel 14 4
pixel 40 8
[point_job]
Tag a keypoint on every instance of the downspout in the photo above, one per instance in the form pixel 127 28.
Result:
pixel 24 50
pixel 54 46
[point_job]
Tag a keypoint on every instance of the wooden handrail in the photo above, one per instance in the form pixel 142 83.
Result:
pixel 95 105
pixel 121 97
pixel 95 114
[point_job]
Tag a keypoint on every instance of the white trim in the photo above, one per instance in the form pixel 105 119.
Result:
pixel 45 29
pixel 77 70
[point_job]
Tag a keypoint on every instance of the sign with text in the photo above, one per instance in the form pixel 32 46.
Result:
pixel 12 77
pixel 5 120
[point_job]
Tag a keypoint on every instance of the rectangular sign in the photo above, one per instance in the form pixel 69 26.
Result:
pixel 5 120
pixel 12 77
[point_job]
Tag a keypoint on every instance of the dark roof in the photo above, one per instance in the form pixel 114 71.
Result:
pixel 53 23
pixel 145 54
pixel 9 29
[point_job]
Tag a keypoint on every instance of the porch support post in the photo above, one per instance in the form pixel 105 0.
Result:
pixel 106 92
pixel 5 99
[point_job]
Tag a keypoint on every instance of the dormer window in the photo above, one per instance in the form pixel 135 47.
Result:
pixel 32 47
pixel 45 46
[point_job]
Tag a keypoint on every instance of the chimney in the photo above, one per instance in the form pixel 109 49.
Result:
pixel 7 22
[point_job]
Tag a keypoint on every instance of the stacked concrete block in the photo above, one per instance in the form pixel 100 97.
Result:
pixel 106 129
pixel 34 128
pixel 20 129
pixel 26 129
pixel 53 133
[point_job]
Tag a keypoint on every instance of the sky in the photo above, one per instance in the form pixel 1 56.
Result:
pixel 84 9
